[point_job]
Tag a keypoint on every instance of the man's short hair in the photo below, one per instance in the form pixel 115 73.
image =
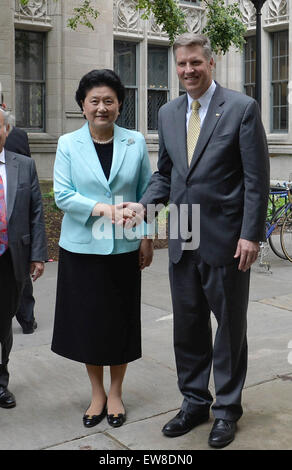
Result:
pixel 192 39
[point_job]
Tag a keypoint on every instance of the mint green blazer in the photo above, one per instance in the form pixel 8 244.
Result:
pixel 79 183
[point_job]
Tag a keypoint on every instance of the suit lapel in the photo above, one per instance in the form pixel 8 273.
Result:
pixel 12 179
pixel 180 123
pixel 120 147
pixel 211 120
pixel 88 154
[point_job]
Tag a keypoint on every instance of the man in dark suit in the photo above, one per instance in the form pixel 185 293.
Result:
pixel 212 153
pixel 22 242
pixel 17 142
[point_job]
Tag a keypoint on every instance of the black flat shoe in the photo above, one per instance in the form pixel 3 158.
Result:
pixel 184 422
pixel 7 399
pixel 116 420
pixel 92 420
pixel 222 433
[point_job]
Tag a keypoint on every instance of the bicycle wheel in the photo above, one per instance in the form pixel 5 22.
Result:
pixel 275 237
pixel 286 236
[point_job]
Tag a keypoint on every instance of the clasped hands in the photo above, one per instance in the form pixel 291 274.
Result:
pixel 128 214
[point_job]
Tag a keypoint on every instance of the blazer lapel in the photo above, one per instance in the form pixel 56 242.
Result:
pixel 88 154
pixel 12 180
pixel 120 147
pixel 212 117
pixel 180 121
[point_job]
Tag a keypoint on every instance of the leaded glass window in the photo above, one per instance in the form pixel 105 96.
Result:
pixel 30 80
pixel 280 63
pixel 158 86
pixel 250 66
pixel 125 65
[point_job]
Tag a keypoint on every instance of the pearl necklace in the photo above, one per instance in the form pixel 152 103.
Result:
pixel 104 142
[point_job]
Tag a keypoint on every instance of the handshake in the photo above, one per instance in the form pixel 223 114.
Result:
pixel 128 214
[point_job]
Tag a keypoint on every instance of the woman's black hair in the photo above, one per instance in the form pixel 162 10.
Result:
pixel 95 78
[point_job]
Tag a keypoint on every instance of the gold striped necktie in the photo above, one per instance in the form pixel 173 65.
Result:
pixel 193 130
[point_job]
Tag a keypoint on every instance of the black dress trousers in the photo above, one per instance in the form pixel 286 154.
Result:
pixel 10 291
pixel 197 289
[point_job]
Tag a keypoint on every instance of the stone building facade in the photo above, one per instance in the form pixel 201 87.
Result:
pixel 42 61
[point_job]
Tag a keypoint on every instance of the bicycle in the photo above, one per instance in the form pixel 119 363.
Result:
pixel 275 233
pixel 286 230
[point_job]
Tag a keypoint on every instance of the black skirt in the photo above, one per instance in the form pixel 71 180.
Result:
pixel 97 317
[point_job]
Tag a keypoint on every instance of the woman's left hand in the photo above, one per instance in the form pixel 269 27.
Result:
pixel 145 253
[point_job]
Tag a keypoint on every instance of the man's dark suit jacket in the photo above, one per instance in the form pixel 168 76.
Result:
pixel 228 175
pixel 26 227
pixel 17 141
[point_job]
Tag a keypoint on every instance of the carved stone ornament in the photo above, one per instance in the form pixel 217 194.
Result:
pixel 154 28
pixel 126 15
pixel 277 8
pixel 194 18
pixel 34 8
pixel 248 12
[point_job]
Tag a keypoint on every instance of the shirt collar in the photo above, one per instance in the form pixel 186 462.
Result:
pixel 2 156
pixel 205 99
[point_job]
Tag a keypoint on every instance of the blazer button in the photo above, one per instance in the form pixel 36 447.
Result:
pixel 108 195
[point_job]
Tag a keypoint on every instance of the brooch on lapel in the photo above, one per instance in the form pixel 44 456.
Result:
pixel 217 115
pixel 130 141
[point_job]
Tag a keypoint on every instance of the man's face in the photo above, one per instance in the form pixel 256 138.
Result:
pixel 194 70
pixel 3 131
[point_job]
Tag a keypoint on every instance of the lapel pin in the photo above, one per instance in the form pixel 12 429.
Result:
pixel 217 114
pixel 130 141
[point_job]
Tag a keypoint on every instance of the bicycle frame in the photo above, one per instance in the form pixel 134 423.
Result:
pixel 282 212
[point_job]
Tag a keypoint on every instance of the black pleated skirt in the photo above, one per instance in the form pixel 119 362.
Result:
pixel 97 317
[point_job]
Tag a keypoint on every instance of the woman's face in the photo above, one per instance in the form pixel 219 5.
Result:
pixel 101 107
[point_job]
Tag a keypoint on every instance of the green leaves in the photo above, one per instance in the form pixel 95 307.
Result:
pixel 82 16
pixel 167 13
pixel 224 26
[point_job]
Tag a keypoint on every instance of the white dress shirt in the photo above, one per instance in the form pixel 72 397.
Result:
pixel 3 173
pixel 204 101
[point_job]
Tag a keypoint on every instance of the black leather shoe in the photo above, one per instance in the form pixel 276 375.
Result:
pixel 7 399
pixel 92 420
pixel 184 422
pixel 28 329
pixel 116 420
pixel 222 433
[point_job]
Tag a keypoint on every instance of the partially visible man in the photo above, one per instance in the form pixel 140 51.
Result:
pixel 17 142
pixel 22 242
pixel 212 153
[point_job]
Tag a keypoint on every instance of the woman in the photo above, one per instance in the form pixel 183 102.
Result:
pixel 97 319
